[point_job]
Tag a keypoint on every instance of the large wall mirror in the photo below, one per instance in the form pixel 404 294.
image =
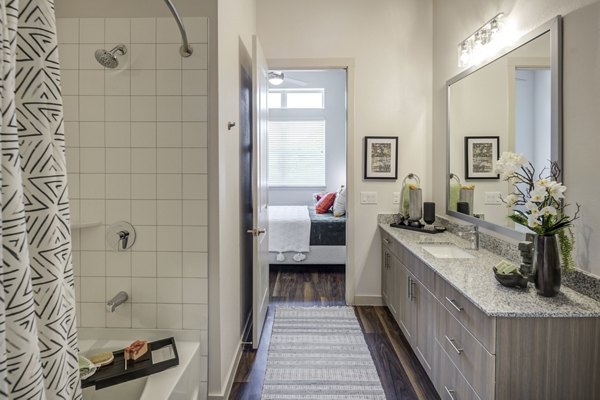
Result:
pixel 509 103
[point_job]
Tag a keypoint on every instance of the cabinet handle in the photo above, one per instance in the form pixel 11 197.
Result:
pixel 412 289
pixel 409 288
pixel 456 306
pixel 450 393
pixel 386 241
pixel 452 343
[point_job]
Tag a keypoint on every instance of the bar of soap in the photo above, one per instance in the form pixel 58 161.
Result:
pixel 136 349
pixel 101 359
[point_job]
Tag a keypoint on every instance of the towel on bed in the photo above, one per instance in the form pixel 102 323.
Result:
pixel 289 230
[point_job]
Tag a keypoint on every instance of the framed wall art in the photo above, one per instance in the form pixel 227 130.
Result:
pixel 381 157
pixel 481 155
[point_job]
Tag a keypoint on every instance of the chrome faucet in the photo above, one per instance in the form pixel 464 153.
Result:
pixel 116 301
pixel 474 237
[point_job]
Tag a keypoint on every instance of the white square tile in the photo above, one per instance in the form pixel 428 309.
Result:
pixel 195 212
pixel 118 186
pixel 92 186
pixel 69 56
pixel 168 56
pixel 198 59
pixel 92 160
pixel 93 315
pixel 195 265
pixel 143 186
pixel 120 318
pixel 77 287
pixel 76 234
pixel 78 314
pixel 72 134
pixel 118 160
pixel 74 192
pixel 91 83
pixel 91 134
pixel 169 238
pixel 195 82
pixel 195 316
pixel 93 238
pixel 143 82
pixel 169 187
pixel 92 289
pixel 143 30
pixel 169 264
pixel 195 187
pixel 168 161
pixel 117 82
pixel 72 156
pixel 143 134
pixel 143 264
pixel 168 134
pixel 117 30
pixel 118 210
pixel 91 30
pixel 168 290
pixel 195 161
pixel 169 212
pixel 197 29
pixel 168 82
pixel 69 82
pixel 195 291
pixel 194 108
pixel 118 108
pixel 118 263
pixel 168 108
pixel 76 262
pixel 143 290
pixel 71 108
pixel 146 238
pixel 115 285
pixel 143 161
pixel 67 30
pixel 143 56
pixel 143 108
pixel 92 264
pixel 143 316
pixel 143 212
pixel 87 57
pixel 167 31
pixel 117 134
pixel 91 108
pixel 195 238
pixel 169 316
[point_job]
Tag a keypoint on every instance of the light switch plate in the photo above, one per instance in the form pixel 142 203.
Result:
pixel 492 198
pixel 396 198
pixel 368 197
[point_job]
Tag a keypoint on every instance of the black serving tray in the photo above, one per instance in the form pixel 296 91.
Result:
pixel 115 373
pixel 416 229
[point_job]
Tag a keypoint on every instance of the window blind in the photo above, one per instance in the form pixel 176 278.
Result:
pixel 296 153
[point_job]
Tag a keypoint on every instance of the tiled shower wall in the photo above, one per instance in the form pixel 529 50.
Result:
pixel 136 151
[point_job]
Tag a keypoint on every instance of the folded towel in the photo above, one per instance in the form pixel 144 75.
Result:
pixel 454 194
pixel 86 367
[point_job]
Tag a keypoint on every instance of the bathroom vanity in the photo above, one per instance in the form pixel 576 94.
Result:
pixel 479 340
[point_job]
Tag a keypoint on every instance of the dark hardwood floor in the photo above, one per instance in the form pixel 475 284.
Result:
pixel 401 375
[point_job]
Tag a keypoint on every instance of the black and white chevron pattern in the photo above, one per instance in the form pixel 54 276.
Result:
pixel 38 337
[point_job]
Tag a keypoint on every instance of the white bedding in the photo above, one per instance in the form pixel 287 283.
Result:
pixel 289 230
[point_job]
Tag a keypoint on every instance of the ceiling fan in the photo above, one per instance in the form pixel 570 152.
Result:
pixel 276 78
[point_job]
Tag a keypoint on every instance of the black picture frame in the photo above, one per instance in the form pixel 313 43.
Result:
pixel 380 157
pixel 481 155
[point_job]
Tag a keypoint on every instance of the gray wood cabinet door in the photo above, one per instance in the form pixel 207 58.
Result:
pixel 425 305
pixel 406 314
pixel 385 274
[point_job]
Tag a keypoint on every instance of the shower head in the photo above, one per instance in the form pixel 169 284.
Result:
pixel 108 59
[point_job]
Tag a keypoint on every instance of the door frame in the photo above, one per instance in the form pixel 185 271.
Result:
pixel 348 65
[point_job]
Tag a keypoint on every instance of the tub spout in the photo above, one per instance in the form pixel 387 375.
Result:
pixel 116 301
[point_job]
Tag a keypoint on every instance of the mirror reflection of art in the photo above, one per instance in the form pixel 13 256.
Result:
pixel 381 157
pixel 481 155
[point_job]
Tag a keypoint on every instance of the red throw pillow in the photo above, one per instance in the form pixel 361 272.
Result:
pixel 325 203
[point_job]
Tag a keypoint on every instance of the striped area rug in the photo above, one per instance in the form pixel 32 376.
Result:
pixel 319 353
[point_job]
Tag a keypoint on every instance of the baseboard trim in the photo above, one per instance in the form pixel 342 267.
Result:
pixel 224 395
pixel 366 300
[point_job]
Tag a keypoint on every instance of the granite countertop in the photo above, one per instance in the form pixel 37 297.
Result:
pixel 474 279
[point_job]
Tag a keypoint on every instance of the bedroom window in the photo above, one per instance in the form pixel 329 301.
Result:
pixel 297 153
pixel 297 98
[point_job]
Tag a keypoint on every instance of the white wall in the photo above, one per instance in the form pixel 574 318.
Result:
pixel 334 113
pixel 390 42
pixel 454 21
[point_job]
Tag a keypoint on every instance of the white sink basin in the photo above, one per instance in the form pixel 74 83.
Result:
pixel 445 250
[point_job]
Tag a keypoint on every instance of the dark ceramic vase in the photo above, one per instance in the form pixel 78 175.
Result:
pixel 546 265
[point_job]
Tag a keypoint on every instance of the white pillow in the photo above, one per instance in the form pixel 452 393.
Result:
pixel 339 205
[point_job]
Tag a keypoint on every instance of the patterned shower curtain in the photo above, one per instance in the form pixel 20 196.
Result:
pixel 38 336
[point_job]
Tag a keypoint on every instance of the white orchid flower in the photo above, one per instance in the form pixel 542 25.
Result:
pixel 533 221
pixel 557 191
pixel 511 199
pixel 548 210
pixel 543 183
pixel 538 195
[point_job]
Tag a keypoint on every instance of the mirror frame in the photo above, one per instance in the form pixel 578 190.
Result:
pixel 554 27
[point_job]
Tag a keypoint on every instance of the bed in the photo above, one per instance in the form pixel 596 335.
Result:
pixel 326 243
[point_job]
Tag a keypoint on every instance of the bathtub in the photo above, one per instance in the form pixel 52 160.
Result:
pixel 178 383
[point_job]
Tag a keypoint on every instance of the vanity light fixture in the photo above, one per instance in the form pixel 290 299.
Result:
pixel 484 42
pixel 275 78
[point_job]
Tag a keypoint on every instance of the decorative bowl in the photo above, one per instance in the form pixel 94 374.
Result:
pixel 514 279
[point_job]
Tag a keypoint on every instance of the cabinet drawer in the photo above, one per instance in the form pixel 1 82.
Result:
pixel 450 384
pixel 389 242
pixel 467 313
pixel 468 355
pixel 418 268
